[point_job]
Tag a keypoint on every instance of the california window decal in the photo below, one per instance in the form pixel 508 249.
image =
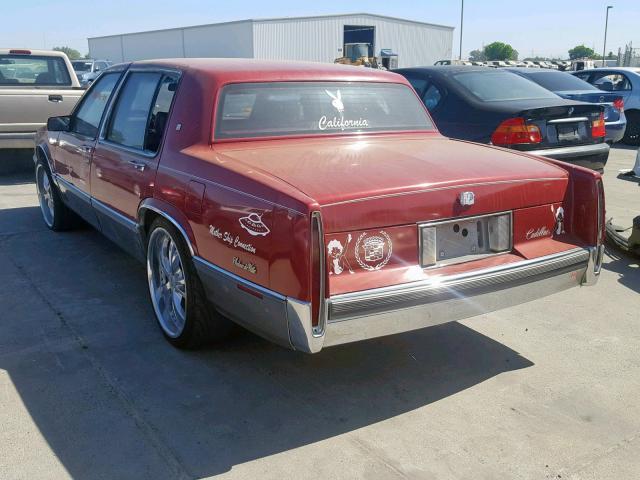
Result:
pixel 339 123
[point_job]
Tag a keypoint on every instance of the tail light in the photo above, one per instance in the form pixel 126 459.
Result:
pixel 597 127
pixel 618 104
pixel 601 213
pixel 20 52
pixel 516 131
pixel 318 272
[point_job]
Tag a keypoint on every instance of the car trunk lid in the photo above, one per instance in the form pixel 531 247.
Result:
pixel 566 124
pixel 387 180
pixel 606 99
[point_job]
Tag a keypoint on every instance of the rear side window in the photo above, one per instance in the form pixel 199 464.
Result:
pixel 88 115
pixel 432 97
pixel 613 82
pixel 140 116
pixel 33 70
pixel 559 81
pixel 128 124
pixel 497 86
pixel 249 110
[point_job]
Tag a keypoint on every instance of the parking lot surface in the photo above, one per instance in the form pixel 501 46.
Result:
pixel 90 389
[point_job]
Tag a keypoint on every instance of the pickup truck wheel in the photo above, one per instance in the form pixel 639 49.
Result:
pixel 55 213
pixel 632 133
pixel 177 295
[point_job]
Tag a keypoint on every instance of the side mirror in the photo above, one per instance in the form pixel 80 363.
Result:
pixel 97 69
pixel 59 124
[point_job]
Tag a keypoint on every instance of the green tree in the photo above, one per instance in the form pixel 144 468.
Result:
pixel 500 51
pixel 72 53
pixel 581 51
pixel 477 56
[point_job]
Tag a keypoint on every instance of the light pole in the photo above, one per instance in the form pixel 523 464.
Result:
pixel 461 21
pixel 606 25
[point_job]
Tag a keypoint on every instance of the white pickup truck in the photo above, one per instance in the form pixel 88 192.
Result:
pixel 34 85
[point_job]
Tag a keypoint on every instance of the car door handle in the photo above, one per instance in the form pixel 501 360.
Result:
pixel 55 98
pixel 140 166
pixel 88 149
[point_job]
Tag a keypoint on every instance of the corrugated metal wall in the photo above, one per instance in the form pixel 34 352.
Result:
pixel 233 39
pixel 319 39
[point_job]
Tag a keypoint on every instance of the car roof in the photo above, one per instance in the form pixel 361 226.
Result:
pixel 229 70
pixel 613 69
pixel 444 69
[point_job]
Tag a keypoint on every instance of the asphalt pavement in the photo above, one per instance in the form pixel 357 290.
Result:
pixel 90 389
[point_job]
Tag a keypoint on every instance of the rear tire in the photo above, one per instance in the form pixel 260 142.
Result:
pixel 632 133
pixel 178 298
pixel 56 215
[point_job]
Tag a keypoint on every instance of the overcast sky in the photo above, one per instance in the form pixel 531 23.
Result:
pixel 540 27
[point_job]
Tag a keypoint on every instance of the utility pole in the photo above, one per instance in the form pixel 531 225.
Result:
pixel 461 22
pixel 606 25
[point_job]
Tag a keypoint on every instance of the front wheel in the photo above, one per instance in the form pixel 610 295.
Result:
pixel 177 295
pixel 55 213
pixel 632 133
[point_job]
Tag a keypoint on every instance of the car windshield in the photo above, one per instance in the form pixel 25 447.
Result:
pixel 29 69
pixel 81 66
pixel 558 81
pixel 249 110
pixel 498 86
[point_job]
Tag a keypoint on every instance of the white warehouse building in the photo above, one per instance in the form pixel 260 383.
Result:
pixel 317 38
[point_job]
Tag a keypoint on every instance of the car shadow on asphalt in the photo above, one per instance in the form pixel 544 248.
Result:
pixel 627 267
pixel 114 400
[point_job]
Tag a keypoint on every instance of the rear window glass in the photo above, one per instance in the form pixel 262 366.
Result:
pixel 81 66
pixel 501 86
pixel 249 110
pixel 33 70
pixel 558 81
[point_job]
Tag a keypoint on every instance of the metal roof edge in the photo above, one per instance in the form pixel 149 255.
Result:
pixel 275 19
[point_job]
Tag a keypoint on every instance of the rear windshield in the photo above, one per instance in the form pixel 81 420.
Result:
pixel 249 110
pixel 559 81
pixel 500 86
pixel 33 70
pixel 81 66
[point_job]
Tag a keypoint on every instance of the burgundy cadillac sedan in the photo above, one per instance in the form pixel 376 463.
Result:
pixel 313 204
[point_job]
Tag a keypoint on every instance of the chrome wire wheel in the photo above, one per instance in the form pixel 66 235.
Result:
pixel 167 282
pixel 45 195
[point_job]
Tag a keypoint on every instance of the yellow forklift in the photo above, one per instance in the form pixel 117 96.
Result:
pixel 357 54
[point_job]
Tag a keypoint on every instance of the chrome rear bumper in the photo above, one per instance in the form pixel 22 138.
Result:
pixel 399 308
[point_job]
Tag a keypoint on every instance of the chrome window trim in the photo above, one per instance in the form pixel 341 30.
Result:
pixel 168 217
pixel 436 223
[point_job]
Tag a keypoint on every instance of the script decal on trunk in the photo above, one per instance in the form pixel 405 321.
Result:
pixel 538 233
pixel 373 252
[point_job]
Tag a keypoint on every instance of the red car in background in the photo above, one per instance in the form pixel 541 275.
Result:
pixel 313 204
